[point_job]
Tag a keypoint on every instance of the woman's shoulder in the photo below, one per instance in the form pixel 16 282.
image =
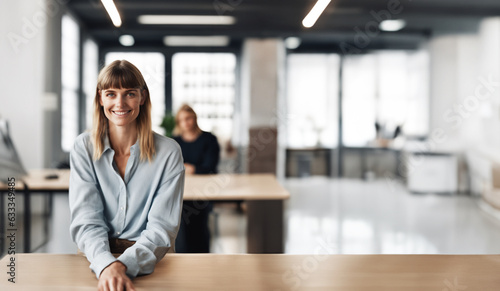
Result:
pixel 165 143
pixel 83 140
pixel 208 135
pixel 177 138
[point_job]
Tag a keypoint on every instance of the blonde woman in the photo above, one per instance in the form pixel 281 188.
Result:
pixel 200 150
pixel 126 183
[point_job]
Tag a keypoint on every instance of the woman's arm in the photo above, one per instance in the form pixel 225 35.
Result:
pixel 162 226
pixel 210 157
pixel 88 228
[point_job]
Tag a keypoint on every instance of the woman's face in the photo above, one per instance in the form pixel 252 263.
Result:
pixel 186 121
pixel 121 106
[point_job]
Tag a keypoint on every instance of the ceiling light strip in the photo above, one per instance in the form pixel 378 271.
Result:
pixel 315 12
pixel 196 40
pixel 110 7
pixel 186 19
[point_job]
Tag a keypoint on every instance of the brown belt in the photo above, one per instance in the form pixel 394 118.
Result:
pixel 118 245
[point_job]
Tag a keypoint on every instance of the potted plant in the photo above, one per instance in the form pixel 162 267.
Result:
pixel 168 124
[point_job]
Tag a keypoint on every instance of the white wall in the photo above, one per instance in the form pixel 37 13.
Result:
pixel 461 64
pixel 465 74
pixel 22 76
pixel 489 61
pixel 453 77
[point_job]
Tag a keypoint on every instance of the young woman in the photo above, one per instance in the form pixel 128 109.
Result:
pixel 200 150
pixel 126 183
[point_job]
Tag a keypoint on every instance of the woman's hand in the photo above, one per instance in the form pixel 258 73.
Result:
pixel 113 278
pixel 190 168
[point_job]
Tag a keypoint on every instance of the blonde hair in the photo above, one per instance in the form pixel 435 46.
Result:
pixel 122 74
pixel 188 109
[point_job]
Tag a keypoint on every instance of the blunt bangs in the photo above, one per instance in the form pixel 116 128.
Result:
pixel 120 75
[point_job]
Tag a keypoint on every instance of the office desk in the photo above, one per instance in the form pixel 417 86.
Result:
pixel 262 193
pixel 33 182
pixel 270 272
pixel 263 196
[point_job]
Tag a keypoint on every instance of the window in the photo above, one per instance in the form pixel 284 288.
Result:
pixel 152 67
pixel 389 87
pixel 90 72
pixel 394 92
pixel 312 104
pixel 70 60
pixel 359 91
pixel 206 82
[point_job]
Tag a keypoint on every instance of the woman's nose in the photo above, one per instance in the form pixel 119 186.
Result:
pixel 120 100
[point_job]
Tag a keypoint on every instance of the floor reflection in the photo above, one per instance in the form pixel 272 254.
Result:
pixel 357 217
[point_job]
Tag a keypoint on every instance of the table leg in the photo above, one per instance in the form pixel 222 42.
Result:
pixel 2 224
pixel 47 216
pixel 27 221
pixel 265 226
pixel 51 200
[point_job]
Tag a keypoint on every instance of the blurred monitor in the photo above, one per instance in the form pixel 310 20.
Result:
pixel 10 164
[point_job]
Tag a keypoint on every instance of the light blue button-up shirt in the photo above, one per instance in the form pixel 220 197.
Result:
pixel 144 207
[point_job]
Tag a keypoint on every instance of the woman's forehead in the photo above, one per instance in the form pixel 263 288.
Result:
pixel 186 113
pixel 120 89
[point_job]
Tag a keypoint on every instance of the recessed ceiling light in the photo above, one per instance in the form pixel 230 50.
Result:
pixel 126 40
pixel 110 7
pixel 292 42
pixel 315 12
pixel 196 40
pixel 186 19
pixel 392 24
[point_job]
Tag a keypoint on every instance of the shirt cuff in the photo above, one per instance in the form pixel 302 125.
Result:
pixel 100 262
pixel 131 263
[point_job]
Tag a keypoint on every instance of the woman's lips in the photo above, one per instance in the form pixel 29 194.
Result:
pixel 121 113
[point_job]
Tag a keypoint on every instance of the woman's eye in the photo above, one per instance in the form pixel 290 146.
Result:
pixel 110 95
pixel 131 94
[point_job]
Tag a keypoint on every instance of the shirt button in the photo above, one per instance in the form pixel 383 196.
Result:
pixel 121 208
pixel 117 232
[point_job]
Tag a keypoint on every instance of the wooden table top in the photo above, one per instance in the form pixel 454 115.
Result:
pixel 270 272
pixel 37 182
pixel 213 187
pixel 234 187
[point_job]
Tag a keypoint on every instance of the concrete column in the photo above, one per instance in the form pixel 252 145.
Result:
pixel 52 86
pixel 262 105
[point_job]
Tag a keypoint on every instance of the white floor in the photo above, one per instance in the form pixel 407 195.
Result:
pixel 356 217
pixel 348 217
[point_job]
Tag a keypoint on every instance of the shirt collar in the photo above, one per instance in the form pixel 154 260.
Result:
pixel 133 148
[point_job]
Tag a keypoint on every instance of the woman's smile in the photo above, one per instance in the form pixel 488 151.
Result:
pixel 122 113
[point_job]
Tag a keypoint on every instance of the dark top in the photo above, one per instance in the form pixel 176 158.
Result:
pixel 203 152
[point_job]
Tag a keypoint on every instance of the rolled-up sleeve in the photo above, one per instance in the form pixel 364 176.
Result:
pixel 161 229
pixel 88 228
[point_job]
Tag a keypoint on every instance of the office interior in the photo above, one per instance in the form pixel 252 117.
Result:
pixel 381 120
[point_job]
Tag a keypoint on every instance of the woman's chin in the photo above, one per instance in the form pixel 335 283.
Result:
pixel 121 123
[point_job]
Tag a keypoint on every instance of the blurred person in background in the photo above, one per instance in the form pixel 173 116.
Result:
pixel 201 153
